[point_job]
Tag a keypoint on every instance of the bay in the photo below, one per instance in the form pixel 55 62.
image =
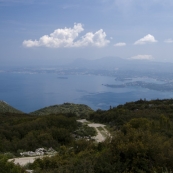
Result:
pixel 30 92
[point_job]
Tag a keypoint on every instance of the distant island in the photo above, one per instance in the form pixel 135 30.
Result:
pixel 152 86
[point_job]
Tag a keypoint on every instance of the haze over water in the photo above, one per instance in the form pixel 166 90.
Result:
pixel 29 92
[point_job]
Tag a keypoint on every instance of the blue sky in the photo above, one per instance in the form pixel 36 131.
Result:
pixel 51 32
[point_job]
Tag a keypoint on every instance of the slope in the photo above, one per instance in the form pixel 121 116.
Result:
pixel 80 110
pixel 5 107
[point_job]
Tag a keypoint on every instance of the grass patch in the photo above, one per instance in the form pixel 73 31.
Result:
pixel 100 128
pixel 85 130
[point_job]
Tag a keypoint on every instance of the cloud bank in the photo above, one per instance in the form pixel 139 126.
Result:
pixel 119 44
pixel 68 37
pixel 147 39
pixel 143 57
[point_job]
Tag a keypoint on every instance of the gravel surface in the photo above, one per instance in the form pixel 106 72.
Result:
pixel 24 160
pixel 101 135
pixel 83 121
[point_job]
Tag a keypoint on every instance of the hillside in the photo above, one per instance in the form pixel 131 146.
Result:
pixel 80 110
pixel 153 110
pixel 141 139
pixel 5 107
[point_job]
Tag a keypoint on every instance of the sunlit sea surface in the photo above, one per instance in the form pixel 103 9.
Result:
pixel 30 92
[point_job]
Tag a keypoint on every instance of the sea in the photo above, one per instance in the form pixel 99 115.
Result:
pixel 30 92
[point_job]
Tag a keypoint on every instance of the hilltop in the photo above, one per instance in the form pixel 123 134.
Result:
pixel 79 110
pixel 6 108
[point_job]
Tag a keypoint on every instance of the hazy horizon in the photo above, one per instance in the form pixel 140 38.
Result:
pixel 52 33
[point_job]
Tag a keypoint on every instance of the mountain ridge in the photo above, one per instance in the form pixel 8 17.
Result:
pixel 79 110
pixel 6 108
pixel 117 63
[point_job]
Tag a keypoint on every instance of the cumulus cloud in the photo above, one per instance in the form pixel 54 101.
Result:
pixel 119 44
pixel 143 57
pixel 168 40
pixel 147 39
pixel 68 37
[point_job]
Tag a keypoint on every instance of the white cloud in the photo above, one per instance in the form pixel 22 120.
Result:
pixel 168 40
pixel 67 37
pixel 119 44
pixel 147 39
pixel 94 39
pixel 143 57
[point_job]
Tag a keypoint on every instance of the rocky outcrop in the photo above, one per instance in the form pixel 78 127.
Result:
pixel 39 152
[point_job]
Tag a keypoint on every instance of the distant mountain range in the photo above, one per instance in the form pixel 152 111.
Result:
pixel 113 64
pixel 116 63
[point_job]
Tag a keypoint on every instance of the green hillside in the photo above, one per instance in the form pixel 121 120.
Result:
pixel 141 138
pixel 79 110
pixel 5 107
pixel 141 142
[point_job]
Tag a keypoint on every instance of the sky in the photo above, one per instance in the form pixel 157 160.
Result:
pixel 53 32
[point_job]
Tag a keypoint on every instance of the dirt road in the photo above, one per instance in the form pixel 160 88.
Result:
pixel 24 160
pixel 102 133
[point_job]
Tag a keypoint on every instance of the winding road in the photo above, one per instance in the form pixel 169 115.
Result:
pixel 102 133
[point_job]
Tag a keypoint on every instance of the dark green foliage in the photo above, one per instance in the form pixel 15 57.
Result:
pixel 152 110
pixel 142 139
pixel 28 132
pixel 78 110
pixel 85 130
pixel 134 150
pixel 140 151
pixel 142 142
pixel 75 159
pixel 9 167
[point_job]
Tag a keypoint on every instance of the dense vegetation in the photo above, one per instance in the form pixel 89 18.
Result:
pixel 79 110
pixel 9 167
pixel 142 140
pixel 26 132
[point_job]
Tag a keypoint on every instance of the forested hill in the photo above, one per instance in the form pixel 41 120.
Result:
pixel 151 110
pixel 5 107
pixel 80 110
pixel 141 139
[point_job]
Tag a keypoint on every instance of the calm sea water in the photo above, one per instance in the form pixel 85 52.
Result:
pixel 29 92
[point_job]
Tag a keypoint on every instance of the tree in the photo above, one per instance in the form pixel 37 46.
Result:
pixel 9 167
